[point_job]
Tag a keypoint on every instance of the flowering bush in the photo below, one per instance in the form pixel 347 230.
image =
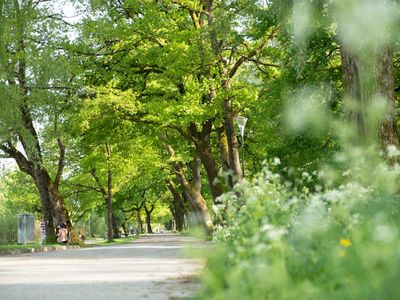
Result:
pixel 339 242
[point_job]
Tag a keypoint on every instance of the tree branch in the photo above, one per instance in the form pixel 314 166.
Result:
pixel 22 162
pixel 87 187
pixel 61 157
pixel 249 56
pixel 101 188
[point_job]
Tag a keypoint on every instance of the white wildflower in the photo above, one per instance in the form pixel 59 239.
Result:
pixel 332 195
pixel 385 233
pixel 392 151
pixel 266 227
pixel 217 208
pixel 293 200
pixel 346 173
pixel 318 188
pixel 276 233
pixel 276 161
pixel 288 184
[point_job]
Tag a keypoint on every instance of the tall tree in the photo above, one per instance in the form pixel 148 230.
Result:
pixel 368 68
pixel 35 84
pixel 181 60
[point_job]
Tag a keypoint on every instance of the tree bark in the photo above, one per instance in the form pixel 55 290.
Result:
pixel 224 156
pixel 106 192
pixel 364 78
pixel 109 194
pixel 52 203
pixel 353 90
pixel 139 221
pixel 388 128
pixel 148 217
pixel 203 146
pixel 223 148
pixel 233 146
pixel 115 227
pixel 47 210
pixel 177 206
pixel 193 193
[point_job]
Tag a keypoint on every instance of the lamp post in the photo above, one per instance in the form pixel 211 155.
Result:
pixel 241 121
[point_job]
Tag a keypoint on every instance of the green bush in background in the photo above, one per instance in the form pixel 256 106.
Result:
pixel 8 228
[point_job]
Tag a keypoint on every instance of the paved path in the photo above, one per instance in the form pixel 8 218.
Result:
pixel 153 267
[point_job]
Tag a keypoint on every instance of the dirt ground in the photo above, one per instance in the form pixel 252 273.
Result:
pixel 153 267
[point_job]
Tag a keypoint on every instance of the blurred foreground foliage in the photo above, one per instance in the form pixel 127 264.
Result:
pixel 340 241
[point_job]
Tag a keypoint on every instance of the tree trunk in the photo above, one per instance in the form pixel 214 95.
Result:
pixel 106 192
pixel 193 193
pixel 116 233
pixel 177 208
pixel 109 195
pixel 47 210
pixel 203 146
pixel 233 146
pixel 352 83
pixel 60 211
pixel 224 155
pixel 48 192
pixel 139 221
pixel 388 128
pixel 125 229
pixel 364 77
pixel 148 224
pixel 148 217
pixel 211 170
pixel 52 204
pixel 107 200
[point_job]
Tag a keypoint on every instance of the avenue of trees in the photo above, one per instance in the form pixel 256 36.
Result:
pixel 138 99
pixel 125 113
pixel 134 101
pixel 128 110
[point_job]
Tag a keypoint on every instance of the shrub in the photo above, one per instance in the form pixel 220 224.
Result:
pixel 8 228
pixel 339 243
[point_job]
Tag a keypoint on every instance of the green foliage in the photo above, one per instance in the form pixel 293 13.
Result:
pixel 332 233
pixel 17 195
pixel 313 225
pixel 20 194
pixel 93 225
pixel 8 220
pixel 281 244
pixel 8 227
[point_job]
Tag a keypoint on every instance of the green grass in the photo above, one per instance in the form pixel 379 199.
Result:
pixel 118 241
pixel 98 242
pixel 26 246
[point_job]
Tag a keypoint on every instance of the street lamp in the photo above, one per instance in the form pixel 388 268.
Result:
pixel 241 121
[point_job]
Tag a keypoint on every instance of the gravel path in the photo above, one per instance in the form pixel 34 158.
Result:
pixel 153 267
